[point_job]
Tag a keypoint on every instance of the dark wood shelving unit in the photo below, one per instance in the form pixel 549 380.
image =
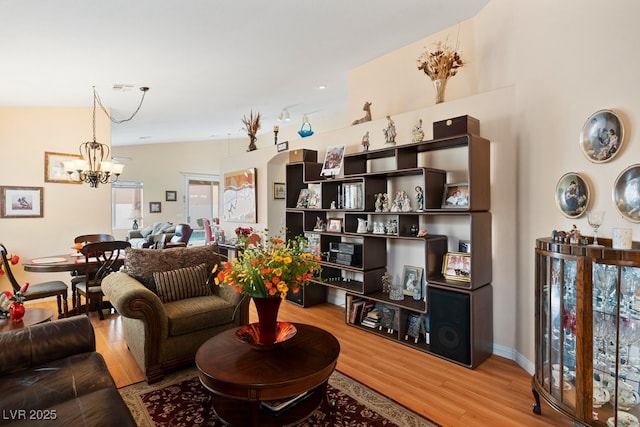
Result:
pixel 456 316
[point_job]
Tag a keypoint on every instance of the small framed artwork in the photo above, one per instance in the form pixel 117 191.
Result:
pixel 602 136
pixel 412 281
pixel 22 202
pixel 456 195
pixel 332 161
pixel 282 146
pixel 572 195
pixel 155 207
pixel 315 196
pixel 279 190
pixel 240 196
pixel 170 196
pixel 334 225
pixel 303 198
pixel 54 170
pixel 457 266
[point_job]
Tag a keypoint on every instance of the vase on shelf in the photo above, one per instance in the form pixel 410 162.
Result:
pixel 439 85
pixel 16 311
pixel 267 309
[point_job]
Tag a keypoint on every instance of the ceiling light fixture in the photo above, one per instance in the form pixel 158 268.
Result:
pixel 96 167
pixel 284 115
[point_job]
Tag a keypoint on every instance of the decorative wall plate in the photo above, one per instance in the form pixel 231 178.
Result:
pixel 602 136
pixel 572 195
pixel 626 193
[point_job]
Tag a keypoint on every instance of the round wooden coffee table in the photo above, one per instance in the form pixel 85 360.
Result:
pixel 32 316
pixel 241 378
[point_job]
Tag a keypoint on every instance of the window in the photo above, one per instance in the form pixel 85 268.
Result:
pixel 202 196
pixel 126 204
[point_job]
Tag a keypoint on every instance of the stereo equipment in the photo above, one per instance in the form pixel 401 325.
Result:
pixel 450 324
pixel 345 253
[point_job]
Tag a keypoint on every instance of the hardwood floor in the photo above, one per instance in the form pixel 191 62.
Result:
pixel 497 393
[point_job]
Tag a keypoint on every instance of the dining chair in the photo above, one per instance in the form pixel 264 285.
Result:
pixel 77 276
pixel 56 288
pixel 100 260
pixel 208 232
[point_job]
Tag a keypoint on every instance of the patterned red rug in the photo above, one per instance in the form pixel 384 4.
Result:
pixel 180 400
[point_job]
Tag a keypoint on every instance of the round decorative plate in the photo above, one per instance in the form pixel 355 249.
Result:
pixel 250 334
pixel 572 195
pixel 626 193
pixel 602 136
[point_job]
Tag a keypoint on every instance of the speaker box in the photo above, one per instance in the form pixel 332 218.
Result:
pixel 450 324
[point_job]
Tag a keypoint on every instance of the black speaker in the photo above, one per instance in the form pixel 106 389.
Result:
pixel 450 324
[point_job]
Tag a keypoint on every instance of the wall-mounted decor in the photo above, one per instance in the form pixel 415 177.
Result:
pixel 22 202
pixel 332 161
pixel 572 195
pixel 239 195
pixel 456 195
pixel 279 190
pixel 155 207
pixel 54 170
pixel 282 146
pixel 170 196
pixel 457 266
pixel 626 193
pixel 602 136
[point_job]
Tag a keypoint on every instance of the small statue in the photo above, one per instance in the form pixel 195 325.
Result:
pixel 385 202
pixel 390 132
pixel 319 224
pixel 422 232
pixel 419 199
pixel 575 236
pixel 386 282
pixel 418 133
pixel 367 114
pixel 378 203
pixel 406 202
pixel 365 142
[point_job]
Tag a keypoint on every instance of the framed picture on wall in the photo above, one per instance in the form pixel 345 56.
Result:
pixel 155 207
pixel 279 190
pixel 239 195
pixel 54 170
pixel 170 196
pixel 22 202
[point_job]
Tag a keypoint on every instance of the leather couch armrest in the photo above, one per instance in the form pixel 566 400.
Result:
pixel 38 344
pixel 132 299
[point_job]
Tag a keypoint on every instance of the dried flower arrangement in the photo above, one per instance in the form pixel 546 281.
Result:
pixel 442 63
pixel 252 125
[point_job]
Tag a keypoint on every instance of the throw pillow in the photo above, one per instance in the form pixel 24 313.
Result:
pixel 182 283
pixel 146 231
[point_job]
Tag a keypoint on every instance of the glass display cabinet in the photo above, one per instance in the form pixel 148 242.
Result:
pixel 587 332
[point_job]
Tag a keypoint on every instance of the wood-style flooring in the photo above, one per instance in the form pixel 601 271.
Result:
pixel 497 393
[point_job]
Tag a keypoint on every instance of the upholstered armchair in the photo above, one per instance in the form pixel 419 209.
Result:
pixel 148 236
pixel 168 308
pixel 181 237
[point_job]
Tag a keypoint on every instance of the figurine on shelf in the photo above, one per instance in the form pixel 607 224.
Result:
pixel 385 202
pixel 365 142
pixel 422 233
pixel 419 199
pixel 396 206
pixel 386 282
pixel 319 224
pixel 390 132
pixel 379 202
pixel 406 202
pixel 576 238
pixel 418 133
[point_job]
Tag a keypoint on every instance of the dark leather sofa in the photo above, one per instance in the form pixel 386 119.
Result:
pixel 51 374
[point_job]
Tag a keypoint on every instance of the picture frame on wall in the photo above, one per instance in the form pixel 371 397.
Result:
pixel 22 202
pixel 155 207
pixel 572 195
pixel 54 170
pixel 279 190
pixel 456 195
pixel 170 196
pixel 602 136
pixel 457 266
pixel 412 281
pixel 239 195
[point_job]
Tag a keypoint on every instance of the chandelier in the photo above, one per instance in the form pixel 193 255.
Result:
pixel 95 166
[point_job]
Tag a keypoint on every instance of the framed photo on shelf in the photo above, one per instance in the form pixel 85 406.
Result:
pixel 155 207
pixel 412 280
pixel 22 202
pixel 54 170
pixel 334 225
pixel 332 161
pixel 170 196
pixel 315 196
pixel 457 266
pixel 456 195
pixel 279 190
pixel 303 198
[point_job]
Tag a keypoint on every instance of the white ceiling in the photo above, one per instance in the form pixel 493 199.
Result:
pixel 208 63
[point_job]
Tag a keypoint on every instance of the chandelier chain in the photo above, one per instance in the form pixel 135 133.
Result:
pixel 96 97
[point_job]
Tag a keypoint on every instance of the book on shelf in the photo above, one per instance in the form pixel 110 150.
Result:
pixel 355 310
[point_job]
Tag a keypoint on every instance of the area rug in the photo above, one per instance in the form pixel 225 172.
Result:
pixel 180 400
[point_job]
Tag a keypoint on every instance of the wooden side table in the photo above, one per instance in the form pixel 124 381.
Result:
pixel 32 316
pixel 241 377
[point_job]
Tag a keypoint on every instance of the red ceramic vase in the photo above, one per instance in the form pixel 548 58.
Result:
pixel 16 311
pixel 267 309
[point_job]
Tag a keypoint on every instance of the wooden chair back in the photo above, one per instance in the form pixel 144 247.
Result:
pixel 109 256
